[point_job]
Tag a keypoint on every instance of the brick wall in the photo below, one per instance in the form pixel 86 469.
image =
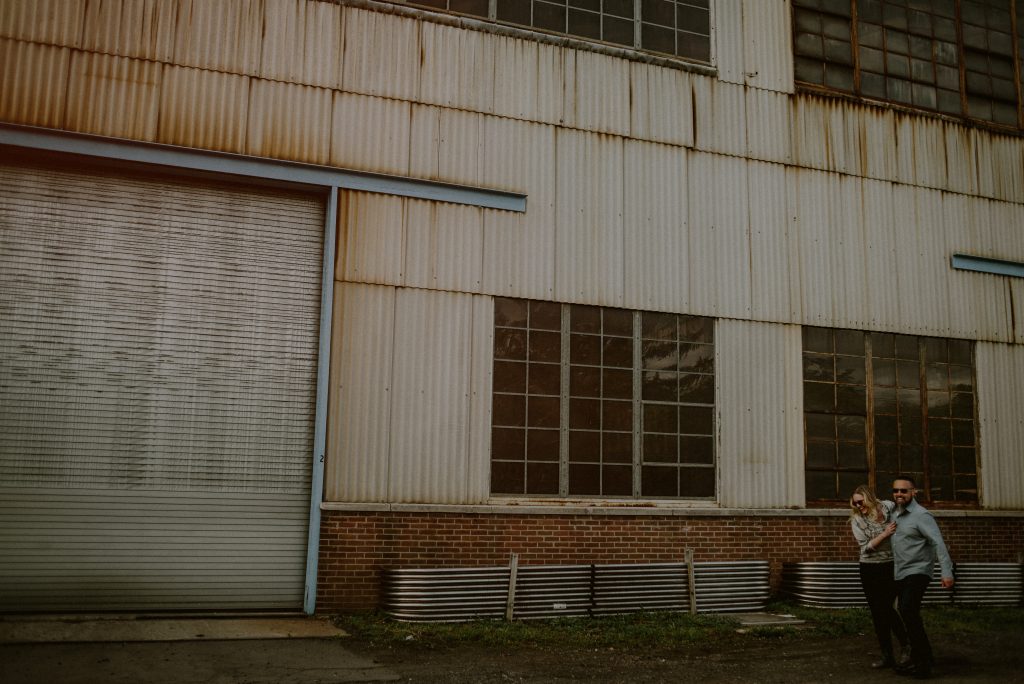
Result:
pixel 354 547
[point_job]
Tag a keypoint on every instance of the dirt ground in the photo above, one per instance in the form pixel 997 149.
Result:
pixel 798 659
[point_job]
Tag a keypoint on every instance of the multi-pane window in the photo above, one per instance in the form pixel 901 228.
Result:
pixel 877 405
pixel 599 401
pixel 952 56
pixel 680 28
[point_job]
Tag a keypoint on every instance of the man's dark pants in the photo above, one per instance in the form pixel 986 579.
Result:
pixel 910 591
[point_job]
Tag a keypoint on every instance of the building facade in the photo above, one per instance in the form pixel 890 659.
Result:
pixel 297 291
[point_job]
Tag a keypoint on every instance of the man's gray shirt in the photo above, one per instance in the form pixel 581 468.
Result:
pixel 917 542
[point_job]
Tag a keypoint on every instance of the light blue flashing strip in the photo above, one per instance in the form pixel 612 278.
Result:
pixel 322 390
pixel 270 169
pixel 966 262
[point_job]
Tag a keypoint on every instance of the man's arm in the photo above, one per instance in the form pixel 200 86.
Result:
pixel 930 529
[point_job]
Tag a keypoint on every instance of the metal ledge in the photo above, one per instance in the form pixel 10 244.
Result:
pixel 966 262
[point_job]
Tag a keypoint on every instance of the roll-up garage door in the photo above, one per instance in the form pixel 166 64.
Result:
pixel 158 352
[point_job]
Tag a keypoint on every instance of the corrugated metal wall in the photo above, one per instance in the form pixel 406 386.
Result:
pixel 1000 371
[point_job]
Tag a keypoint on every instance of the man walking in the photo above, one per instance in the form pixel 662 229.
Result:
pixel 916 543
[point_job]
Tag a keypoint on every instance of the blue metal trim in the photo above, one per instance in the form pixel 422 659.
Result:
pixel 322 391
pixel 966 262
pixel 253 167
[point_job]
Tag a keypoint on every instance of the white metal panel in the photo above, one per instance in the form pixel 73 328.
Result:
pixel 1000 374
pixel 456 67
pixel 901 140
pixel 529 79
pixel 302 42
pixel 876 128
pixel 719 236
pixel 768 44
pixel 204 109
pixel 813 194
pixel 662 104
pixel 224 36
pixel 478 457
pixel 589 230
pixel 849 254
pixel 113 96
pixel 930 162
pixel 927 285
pixel 768 126
pixel 519 249
pixel 443 246
pixel 597 97
pixel 960 158
pixel 371 134
pixel 883 274
pixel 33 83
pixel 1008 168
pixel 656 250
pixel 58 22
pixel 288 121
pixel 359 413
pixel 430 414
pixel 986 295
pixel 774 253
pixel 371 238
pixel 131 28
pixel 729 40
pixel 758 371
pixel 171 364
pixel 446 144
pixel 367 69
pixel 720 119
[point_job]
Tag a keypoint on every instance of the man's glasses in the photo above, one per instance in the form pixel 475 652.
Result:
pixel 897 490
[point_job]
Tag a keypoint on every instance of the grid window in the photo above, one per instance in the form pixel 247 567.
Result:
pixel 680 28
pixel 956 57
pixel 599 401
pixel 877 405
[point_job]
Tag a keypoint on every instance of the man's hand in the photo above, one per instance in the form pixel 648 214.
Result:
pixel 947 582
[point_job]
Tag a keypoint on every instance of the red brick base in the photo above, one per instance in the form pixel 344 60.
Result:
pixel 355 547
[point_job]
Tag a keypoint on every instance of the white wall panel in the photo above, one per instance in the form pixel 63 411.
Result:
pixel 359 407
pixel 456 67
pixel 443 246
pixel 849 254
pixel 371 238
pixel 662 104
pixel 768 132
pixel 774 253
pixel 529 79
pixel 597 93
pixel 445 144
pixel 289 121
pixel 962 166
pixel 478 457
pixel 930 277
pixel 875 129
pixel 369 70
pixel 1000 374
pixel 930 163
pixel 720 120
pixel 728 41
pixel 758 371
pixel 656 246
pixel 808 191
pixel 588 219
pixel 370 133
pixel 767 44
pixel 880 235
pixel 719 229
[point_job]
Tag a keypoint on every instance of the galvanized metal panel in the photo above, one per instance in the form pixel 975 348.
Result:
pixel 519 249
pixel 930 162
pixel 529 79
pixel 986 297
pixel 456 67
pixel 719 236
pixel 880 237
pixel 58 22
pixel 368 69
pixel 662 104
pixel 143 29
pixel 359 418
pixel 597 93
pixel 774 250
pixel 288 121
pixel 960 159
pixel 113 96
pixel 875 128
pixel 33 83
pixel 768 126
pixel 443 246
pixel 720 119
pixel 204 109
pixel 813 194
pixel 999 370
pixel 445 144
pixel 430 412
pixel 760 414
pixel 849 254
pixel 371 242
pixel 729 41
pixel 371 134
pixel 302 42
pixel 1008 168
pixel 224 36
pixel 927 285
pixel 589 213
pixel 901 140
pixel 478 457
pixel 767 44
pixel 655 243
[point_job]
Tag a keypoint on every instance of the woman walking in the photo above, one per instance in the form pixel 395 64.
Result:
pixel 872 524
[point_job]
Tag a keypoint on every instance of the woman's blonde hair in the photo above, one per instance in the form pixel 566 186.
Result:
pixel 871 503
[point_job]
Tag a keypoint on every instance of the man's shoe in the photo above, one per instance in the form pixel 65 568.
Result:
pixel 904 658
pixel 883 663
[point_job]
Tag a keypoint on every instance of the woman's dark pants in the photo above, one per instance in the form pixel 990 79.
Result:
pixel 880 590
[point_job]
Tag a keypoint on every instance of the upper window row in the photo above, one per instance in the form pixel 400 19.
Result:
pixel 958 57
pixel 681 28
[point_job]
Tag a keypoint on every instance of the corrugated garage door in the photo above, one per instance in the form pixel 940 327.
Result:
pixel 158 343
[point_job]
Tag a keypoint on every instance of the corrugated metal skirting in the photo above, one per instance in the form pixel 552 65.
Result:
pixel 548 591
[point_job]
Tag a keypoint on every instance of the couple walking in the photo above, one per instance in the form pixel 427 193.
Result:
pixel 899 543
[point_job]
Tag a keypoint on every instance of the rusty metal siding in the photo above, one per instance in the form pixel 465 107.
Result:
pixel 662 105
pixel 759 398
pixel 204 109
pixel 359 407
pixel 370 133
pixel 113 96
pixel 369 70
pixel 445 144
pixel 457 68
pixel 768 133
pixel 767 42
pixel 443 246
pixel 655 241
pixel 33 83
pixel 288 121
pixel 371 238
pixel 57 22
pixel 597 93
pixel 529 79
pixel 1000 374
pixel 224 36
pixel 302 42
pixel 720 120
pixel 131 28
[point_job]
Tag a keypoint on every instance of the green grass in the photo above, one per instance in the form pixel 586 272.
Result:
pixel 659 631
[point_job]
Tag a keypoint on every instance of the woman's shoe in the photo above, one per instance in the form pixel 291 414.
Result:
pixel 883 663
